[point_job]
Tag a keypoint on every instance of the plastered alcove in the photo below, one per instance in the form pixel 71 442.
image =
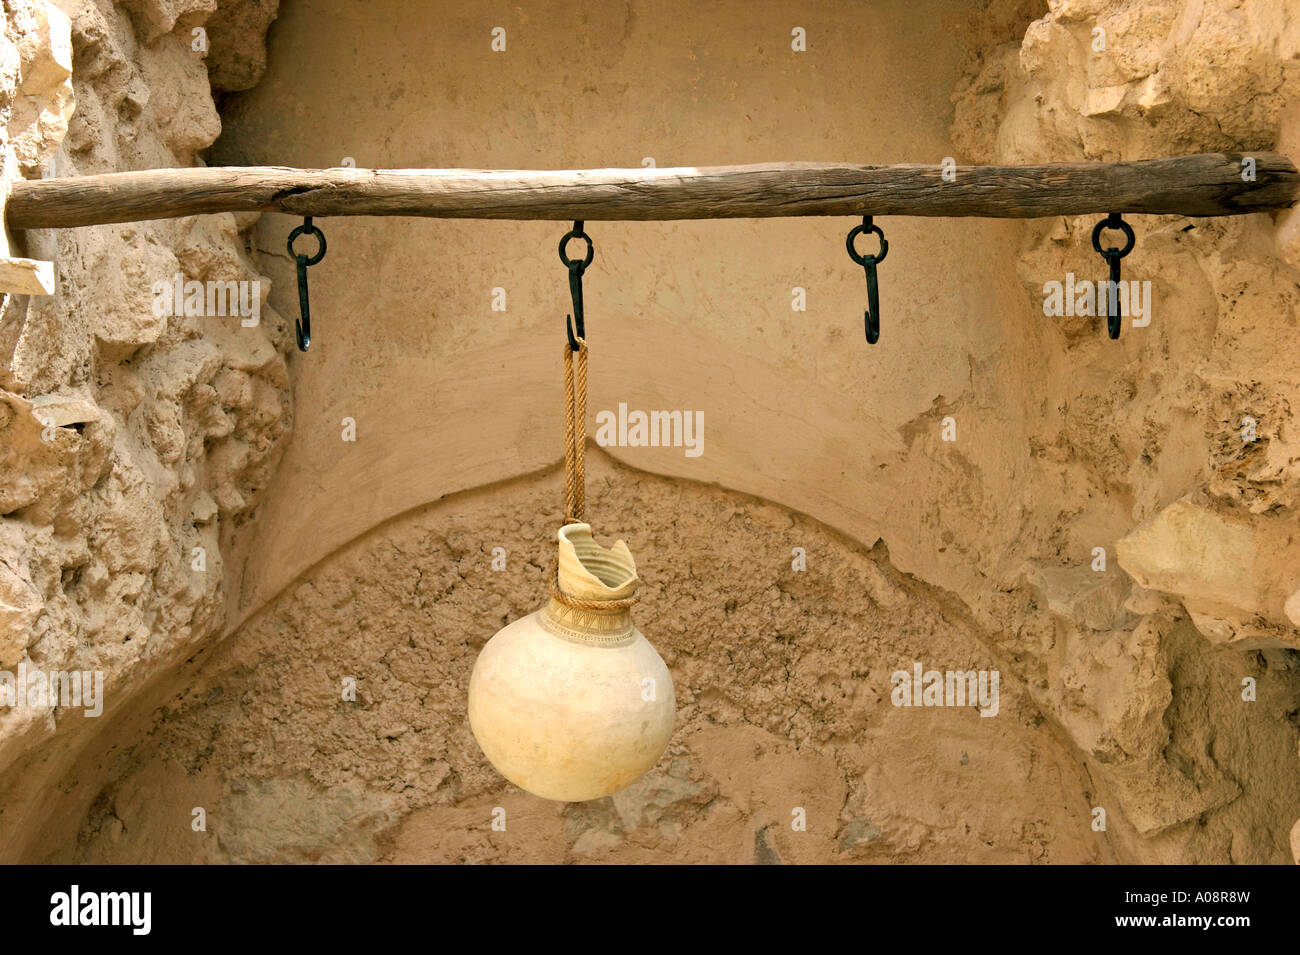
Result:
pixel 449 394
pixel 372 559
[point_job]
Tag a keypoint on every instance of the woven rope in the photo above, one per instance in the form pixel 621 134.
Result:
pixel 575 435
pixel 575 472
pixel 580 433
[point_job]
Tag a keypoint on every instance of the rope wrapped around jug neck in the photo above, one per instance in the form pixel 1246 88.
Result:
pixel 579 603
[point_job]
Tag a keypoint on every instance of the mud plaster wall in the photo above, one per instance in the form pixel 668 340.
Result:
pixel 1121 689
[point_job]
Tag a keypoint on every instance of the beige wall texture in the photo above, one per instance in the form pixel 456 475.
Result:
pixel 1123 676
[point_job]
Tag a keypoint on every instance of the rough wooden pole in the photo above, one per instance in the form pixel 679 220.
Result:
pixel 1210 184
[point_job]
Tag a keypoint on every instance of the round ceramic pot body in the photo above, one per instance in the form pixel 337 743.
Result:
pixel 571 703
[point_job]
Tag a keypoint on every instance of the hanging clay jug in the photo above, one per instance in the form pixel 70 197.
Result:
pixel 572 703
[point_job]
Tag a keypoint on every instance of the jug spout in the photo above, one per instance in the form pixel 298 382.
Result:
pixel 589 571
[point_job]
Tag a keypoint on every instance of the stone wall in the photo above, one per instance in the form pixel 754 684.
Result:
pixel 127 440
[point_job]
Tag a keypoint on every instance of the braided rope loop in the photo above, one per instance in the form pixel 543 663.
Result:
pixel 575 434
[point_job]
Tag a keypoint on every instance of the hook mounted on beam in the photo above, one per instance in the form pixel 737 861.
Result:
pixel 1112 255
pixel 302 326
pixel 871 317
pixel 576 267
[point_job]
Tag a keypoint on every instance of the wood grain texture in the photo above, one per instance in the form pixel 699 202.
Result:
pixel 1208 184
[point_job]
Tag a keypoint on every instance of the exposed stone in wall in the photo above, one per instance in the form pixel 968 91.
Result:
pixel 36 94
pixel 237 32
pixel 127 440
pixel 1187 450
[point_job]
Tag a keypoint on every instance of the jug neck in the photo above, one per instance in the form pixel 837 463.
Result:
pixel 588 574
pixel 594 628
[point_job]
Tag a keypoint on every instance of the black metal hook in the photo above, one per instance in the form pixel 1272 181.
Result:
pixel 1112 256
pixel 871 317
pixel 576 267
pixel 302 328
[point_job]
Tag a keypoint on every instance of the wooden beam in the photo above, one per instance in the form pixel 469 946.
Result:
pixel 1209 184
